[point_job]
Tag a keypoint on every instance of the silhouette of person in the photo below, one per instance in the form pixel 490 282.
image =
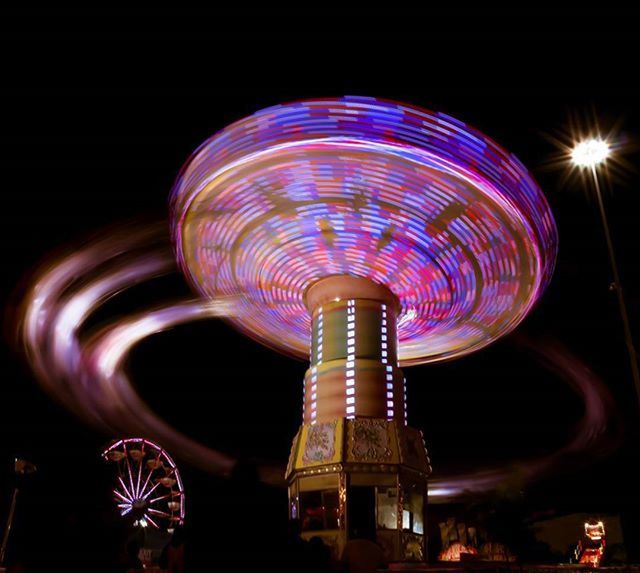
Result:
pixel 362 555
pixel 172 558
pixel 319 556
pixel 132 561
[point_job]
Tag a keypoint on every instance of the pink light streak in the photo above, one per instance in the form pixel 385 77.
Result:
pixel 86 373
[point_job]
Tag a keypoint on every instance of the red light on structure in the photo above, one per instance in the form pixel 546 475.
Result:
pixel 455 551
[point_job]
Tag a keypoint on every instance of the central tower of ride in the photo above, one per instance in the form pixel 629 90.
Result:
pixel 354 352
pixel 356 469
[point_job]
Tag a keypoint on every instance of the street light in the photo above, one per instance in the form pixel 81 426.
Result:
pixel 21 468
pixel 589 155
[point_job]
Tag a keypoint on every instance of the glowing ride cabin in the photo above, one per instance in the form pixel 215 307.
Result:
pixel 363 235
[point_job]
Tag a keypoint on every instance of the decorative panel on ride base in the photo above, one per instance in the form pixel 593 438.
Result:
pixel 342 470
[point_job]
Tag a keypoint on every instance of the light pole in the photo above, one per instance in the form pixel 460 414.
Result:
pixel 21 468
pixel 589 154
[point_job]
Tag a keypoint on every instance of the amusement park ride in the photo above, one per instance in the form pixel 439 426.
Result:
pixel 360 234
pixel 148 488
pixel 364 235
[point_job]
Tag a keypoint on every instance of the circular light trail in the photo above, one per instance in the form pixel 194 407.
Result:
pixel 417 201
pixel 85 368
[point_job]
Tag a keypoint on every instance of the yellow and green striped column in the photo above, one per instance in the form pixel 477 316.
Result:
pixel 354 352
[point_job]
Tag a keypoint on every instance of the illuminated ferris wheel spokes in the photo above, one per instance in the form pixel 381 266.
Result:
pixel 148 486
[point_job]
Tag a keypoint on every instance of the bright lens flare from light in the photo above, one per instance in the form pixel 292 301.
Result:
pixel 590 153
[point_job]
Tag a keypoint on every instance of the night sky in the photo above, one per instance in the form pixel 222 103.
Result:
pixel 75 162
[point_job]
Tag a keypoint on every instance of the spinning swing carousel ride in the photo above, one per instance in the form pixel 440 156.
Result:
pixel 363 235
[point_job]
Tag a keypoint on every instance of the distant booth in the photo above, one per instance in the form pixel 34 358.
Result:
pixel 361 477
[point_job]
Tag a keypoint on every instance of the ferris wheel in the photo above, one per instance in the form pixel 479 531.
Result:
pixel 148 487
